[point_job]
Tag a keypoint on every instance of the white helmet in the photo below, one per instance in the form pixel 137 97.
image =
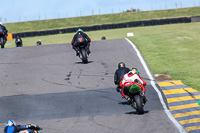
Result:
pixel 10 123
pixel 1 23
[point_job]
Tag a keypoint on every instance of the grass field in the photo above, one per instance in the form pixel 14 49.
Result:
pixel 169 49
pixel 100 19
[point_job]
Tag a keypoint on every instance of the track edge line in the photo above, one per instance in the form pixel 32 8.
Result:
pixel 176 123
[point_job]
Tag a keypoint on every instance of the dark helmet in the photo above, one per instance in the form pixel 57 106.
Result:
pixel 121 64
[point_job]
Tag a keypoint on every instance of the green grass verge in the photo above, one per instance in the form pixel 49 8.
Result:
pixel 168 49
pixel 100 19
pixel 173 50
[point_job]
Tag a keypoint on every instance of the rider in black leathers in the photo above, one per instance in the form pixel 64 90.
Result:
pixel 80 37
pixel 18 41
pixel 119 73
pixel 5 31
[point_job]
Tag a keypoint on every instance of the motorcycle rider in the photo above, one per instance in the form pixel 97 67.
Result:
pixel 132 81
pixel 39 42
pixel 12 127
pixel 4 30
pixel 80 37
pixel 119 73
pixel 18 41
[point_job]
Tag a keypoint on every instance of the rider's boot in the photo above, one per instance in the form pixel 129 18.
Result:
pixel 88 50
pixel 118 89
pixel 144 98
pixel 77 51
pixel 128 99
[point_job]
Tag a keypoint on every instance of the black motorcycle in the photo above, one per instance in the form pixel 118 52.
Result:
pixel 18 43
pixel 2 40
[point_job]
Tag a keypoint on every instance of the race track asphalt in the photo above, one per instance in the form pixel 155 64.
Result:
pixel 49 86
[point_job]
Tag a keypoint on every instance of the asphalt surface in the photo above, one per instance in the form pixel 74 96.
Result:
pixel 51 87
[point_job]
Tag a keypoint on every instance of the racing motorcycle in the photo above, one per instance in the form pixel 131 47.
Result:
pixel 32 129
pixel 18 43
pixel 137 100
pixel 83 54
pixel 2 40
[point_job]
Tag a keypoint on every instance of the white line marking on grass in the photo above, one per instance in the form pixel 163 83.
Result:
pixel 153 84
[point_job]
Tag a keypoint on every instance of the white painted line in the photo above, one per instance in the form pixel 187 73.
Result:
pixel 153 84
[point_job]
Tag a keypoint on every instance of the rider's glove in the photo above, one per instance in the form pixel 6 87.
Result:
pixel 31 126
pixel 28 125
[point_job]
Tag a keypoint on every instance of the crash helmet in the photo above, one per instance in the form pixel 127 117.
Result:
pixel 135 70
pixel 1 23
pixel 11 123
pixel 79 30
pixel 121 64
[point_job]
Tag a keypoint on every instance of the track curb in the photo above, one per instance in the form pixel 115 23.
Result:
pixel 184 103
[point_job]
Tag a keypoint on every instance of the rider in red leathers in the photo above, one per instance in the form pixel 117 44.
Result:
pixel 132 80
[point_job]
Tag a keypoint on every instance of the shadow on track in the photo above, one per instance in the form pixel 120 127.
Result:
pixel 134 112
pixel 83 63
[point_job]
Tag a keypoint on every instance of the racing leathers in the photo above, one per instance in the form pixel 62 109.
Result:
pixel 79 39
pixel 131 81
pixel 18 128
pixel 119 73
pixel 14 129
pixel 18 41
pixel 4 31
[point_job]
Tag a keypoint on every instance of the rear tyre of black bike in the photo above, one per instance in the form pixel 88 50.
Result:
pixel 84 55
pixel 139 106
pixel 2 42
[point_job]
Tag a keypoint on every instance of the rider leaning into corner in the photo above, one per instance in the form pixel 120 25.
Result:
pixel 5 31
pixel 132 80
pixel 12 127
pixel 119 73
pixel 80 37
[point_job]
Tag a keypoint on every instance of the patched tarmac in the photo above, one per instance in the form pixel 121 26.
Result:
pixel 49 86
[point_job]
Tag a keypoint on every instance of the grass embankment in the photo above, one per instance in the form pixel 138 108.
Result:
pixel 169 49
pixel 100 19
pixel 173 50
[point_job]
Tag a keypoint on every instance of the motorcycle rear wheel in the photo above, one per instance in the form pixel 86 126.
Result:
pixel 139 106
pixel 84 55
pixel 2 42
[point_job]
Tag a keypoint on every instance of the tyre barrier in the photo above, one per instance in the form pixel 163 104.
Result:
pixel 195 19
pixel 105 27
